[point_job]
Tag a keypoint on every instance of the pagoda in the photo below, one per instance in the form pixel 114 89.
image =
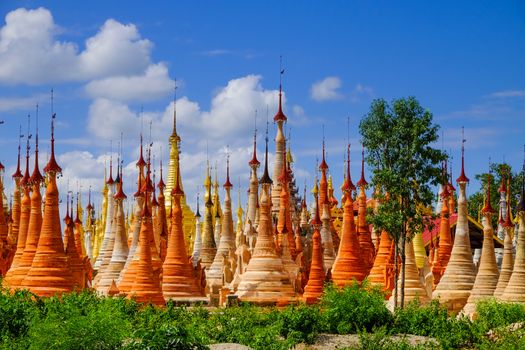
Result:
pixel 265 281
pixel 209 247
pixel 25 212
pixel 280 150
pixel 49 273
pixel 178 278
pixel 314 287
pixel 35 223
pixel 250 228
pixel 324 208
pixel 349 263
pixel 456 283
pixel 515 290
pixel 508 258
pixel 363 231
pixel 215 276
pixel 119 255
pixel 74 260
pixel 488 274
pixel 187 213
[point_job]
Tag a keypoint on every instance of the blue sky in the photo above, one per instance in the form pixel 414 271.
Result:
pixel 107 60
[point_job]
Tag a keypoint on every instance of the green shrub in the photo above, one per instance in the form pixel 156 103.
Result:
pixel 300 323
pixel 354 308
pixel 380 340
pixel 16 312
pixel 164 338
pixel 492 314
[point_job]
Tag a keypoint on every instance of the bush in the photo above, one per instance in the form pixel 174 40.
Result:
pixel 380 340
pixel 164 338
pixel 353 309
pixel 300 324
pixel 493 314
pixel 16 312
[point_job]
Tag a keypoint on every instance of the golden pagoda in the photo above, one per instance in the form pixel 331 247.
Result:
pixel 187 213
pixel 208 244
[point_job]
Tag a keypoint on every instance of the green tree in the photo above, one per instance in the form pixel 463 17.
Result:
pixel 499 170
pixel 399 139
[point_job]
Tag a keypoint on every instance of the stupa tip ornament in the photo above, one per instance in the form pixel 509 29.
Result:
pixel 18 173
pixel 52 165
pixel 254 162
pixel 462 177
pixel 487 209
pixel 362 181
pixel 280 117
pixel 265 179
pixel 141 162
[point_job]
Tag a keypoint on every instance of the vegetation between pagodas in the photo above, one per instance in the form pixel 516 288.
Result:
pixel 86 321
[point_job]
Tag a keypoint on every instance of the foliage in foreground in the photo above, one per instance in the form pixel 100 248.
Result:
pixel 85 321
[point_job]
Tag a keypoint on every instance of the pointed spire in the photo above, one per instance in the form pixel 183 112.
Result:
pixel 52 166
pixel 227 184
pixel 284 177
pixel 141 162
pixel 77 217
pixel 348 185
pixel 446 188
pixel 362 182
pixel 89 206
pixel 280 117
pixel 487 209
pixel 254 162
pixel 265 179
pixel 161 185
pixel 323 165
pixel 120 188
pixel 503 187
pixel 110 180
pixel 462 177
pixel 177 191
pixel 67 218
pixel 197 214
pixel 174 134
pixel 36 177
pixel 316 221
pixel 25 178
pixel 18 174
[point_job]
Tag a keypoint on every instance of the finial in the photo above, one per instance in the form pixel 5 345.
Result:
pixel 462 177
pixel 227 184
pixel 174 132
pixel 323 166
pixel 280 117
pixel 36 177
pixel 197 214
pixel 25 179
pixel 18 174
pixel 265 179
pixel 89 206
pixel 362 182
pixel 177 191
pixel 161 185
pixel 487 209
pixel 67 217
pixel 350 186
pixel 110 180
pixel 254 162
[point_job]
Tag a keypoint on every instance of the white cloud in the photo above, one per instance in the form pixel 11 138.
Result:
pixel 152 85
pixel 326 89
pixel 508 93
pixel 18 103
pixel 31 53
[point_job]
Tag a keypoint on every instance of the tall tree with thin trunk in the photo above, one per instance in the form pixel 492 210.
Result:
pixel 399 138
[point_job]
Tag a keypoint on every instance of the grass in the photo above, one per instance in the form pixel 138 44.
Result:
pixel 86 321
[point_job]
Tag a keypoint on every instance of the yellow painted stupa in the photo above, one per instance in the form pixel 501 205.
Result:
pixel 187 213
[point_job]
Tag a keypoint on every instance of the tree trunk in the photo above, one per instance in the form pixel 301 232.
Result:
pixel 403 261
pixel 396 272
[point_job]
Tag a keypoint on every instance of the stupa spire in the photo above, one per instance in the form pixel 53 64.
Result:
pixel 254 162
pixel 462 177
pixel 36 177
pixel 362 182
pixel 18 174
pixel 49 273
